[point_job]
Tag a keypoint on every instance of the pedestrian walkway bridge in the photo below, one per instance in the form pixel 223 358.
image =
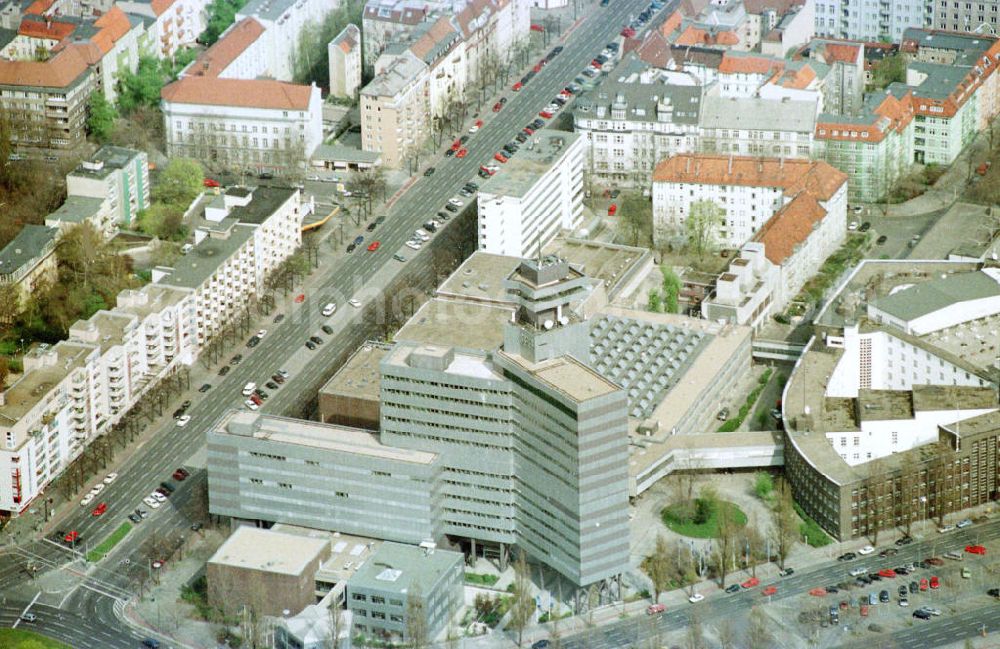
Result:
pixel 655 457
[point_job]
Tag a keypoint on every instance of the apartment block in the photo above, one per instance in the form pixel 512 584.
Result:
pixel 117 176
pixel 537 194
pixel 395 108
pixel 172 23
pixel 28 262
pixel 284 22
pixel 77 389
pixel 870 20
pixel 242 123
pixel 378 593
pixel 385 21
pixel 344 54
pixel 757 126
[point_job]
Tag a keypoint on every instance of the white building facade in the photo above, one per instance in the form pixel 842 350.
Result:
pixel 538 193
pixel 344 55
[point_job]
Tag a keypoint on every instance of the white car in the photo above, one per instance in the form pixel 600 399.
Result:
pixel 866 550
pixel 413 245
pixel 262 333
pixel 857 572
pixel 474 129
pixel 98 488
pixel 249 388
pixel 852 226
pixel 312 177
pixel 151 502
pixel 250 404
pixel 329 309
pixel 697 597
pixel 183 420
pixel 89 498
pixel 455 202
pixel 283 373
pixel 963 523
pixel 946 528
pixel 422 235
pixel 356 303
pixel 158 497
pixel 111 477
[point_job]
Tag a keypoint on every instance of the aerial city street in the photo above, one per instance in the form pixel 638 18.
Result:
pixel 495 324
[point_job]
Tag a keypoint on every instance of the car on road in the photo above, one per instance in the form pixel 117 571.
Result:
pixel 151 643
pixel 540 644
pixel 517 86
pixel 429 171
pixel 750 583
pixel 733 588
pixel 975 549
pixel 97 488
pixel 356 303
pixel 111 477
pixel 135 518
pixel 888 552
pixel 253 342
pixel 654 609
pixel 461 153
pixel 857 572
pixel 784 572
pixel 99 510
pixel 887 573
pixel 945 529
pixel 695 598
pixel 223 370
pixel 881 240
pixel 205 387
pixel 768 591
pixel 963 523
pixel 906 540
pixel 497 107
pixel 847 556
pixel 373 246
pixel 86 500
pixel 329 309
pixel 921 614
pixel 183 420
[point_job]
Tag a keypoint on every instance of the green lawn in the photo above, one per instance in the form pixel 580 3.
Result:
pixel 706 530
pixel 109 543
pixel 20 639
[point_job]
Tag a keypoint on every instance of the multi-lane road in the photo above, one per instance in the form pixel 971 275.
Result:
pixel 283 347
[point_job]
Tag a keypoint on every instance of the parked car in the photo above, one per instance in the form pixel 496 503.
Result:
pixel 654 609
pixel 963 523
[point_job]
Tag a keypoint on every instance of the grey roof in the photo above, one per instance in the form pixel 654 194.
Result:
pixel 76 209
pixel 646 359
pixel 109 158
pixel 523 170
pixel 756 114
pixel 930 296
pixel 6 36
pixel 29 242
pixel 396 567
pixel 395 77
pixel 341 153
pixel 967 47
pixel 941 79
pixel 191 270
pixel 641 101
pixel 265 201
pixel 266 9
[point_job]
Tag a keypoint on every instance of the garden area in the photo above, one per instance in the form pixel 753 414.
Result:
pixel 700 518
pixel 109 543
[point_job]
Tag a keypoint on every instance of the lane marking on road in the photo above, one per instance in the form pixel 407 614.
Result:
pixel 30 604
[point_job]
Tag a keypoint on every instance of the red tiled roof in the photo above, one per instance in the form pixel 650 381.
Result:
pixel 213 61
pixel 798 79
pixel 842 53
pixel 58 72
pixel 671 24
pixel 112 25
pixel 39 7
pixel 790 227
pixel 654 50
pixel 160 6
pixel 696 36
pixel 247 93
pixel 439 31
pixel 47 29
pixel 749 65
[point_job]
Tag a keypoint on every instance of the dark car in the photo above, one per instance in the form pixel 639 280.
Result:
pixel 430 227
pixel 224 370
pixel 906 540
pixel 351 247
pixel 358 240
pixel 521 137
pixel 178 413
pixel 734 588
pixel 883 596
pixel 449 153
pixel 253 342
pixel 785 572
pixel 444 216
pixel 450 208
pixel 327 329
pixel 429 171
pixel 875 576
pixel 277 378
pixel 882 239
pixel 316 339
pixel 541 644
pixel 914 587
pixel 463 139
pixel 135 518
pixel 473 186
pixel 271 385
pixel 921 614
pixel 260 393
pixel 205 387
pixel 832 589
pixel 888 552
pixel 310 344
pixel 278 318
pixel 902 591
pixel 150 643
pixel 371 226
pixel 994 592
pixel 847 556
pixel 865 227
pixel 235 360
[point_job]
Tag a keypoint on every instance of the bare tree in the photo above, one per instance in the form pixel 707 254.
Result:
pixel 336 618
pixel 759 633
pixel 658 567
pixel 786 523
pixel 726 634
pixel 756 545
pixel 417 631
pixel 694 637
pixel 728 532
pixel 523 606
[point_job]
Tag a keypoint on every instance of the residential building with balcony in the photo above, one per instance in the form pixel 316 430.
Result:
pixel 283 22
pixel 28 262
pixel 755 126
pixel 537 195
pixel 629 125
pixel 118 176
pixel 385 21
pixel 256 124
pixel 173 23
pixel 395 107
pixel 344 55
pixel 870 20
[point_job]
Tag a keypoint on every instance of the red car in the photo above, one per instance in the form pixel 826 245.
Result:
pixel 373 246
pixel 975 549
pixel 486 170
pixel 456 145
pixel 497 107
pixel 612 209
pixel 750 583
pixel 818 592
pixel 770 590
pixel 462 153
pixel 935 561
pixel 100 509
pixel 527 130
pixel 299 298
pixel 653 609
pixel 546 114
pixel 887 573
pixel 479 123
pixel 935 583
pixel 517 86
pixel 72 537
pixel 595 63
pixel 537 68
pixel 923 584
pixel 537 28
pixel 499 157
pixel 628 32
pixel 208 182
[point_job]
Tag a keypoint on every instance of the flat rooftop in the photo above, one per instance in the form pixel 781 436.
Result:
pixel 316 435
pixel 348 552
pixel 606 262
pixel 150 299
pixel 542 152
pixel 105 329
pixel 359 376
pixel 567 376
pixel 27 245
pixel 976 343
pixel 480 279
pixel 196 267
pixel 76 209
pixel 456 324
pixel 253 548
pixel 462 364
pixel 25 393
pixel 105 160
pixel 396 567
